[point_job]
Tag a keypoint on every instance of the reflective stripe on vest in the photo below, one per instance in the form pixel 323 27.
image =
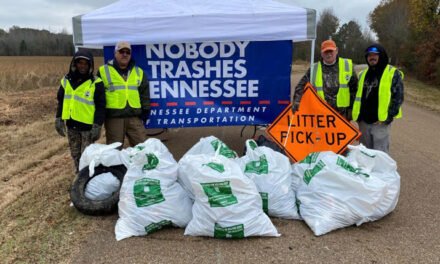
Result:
pixel 345 73
pixel 118 91
pixel 79 104
pixel 384 94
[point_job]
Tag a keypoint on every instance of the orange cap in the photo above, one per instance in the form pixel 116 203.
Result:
pixel 328 45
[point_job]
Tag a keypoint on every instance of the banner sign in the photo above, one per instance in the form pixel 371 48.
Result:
pixel 315 127
pixel 215 83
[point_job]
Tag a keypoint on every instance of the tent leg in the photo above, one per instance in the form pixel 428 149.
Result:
pixel 311 74
pixel 312 52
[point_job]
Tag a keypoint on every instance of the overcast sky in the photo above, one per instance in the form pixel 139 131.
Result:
pixel 57 15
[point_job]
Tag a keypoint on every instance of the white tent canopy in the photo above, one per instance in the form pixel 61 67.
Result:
pixel 180 21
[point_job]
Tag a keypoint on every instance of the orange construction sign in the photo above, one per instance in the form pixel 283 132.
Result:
pixel 315 127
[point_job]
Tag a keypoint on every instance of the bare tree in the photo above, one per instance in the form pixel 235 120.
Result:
pixel 326 28
pixel 390 22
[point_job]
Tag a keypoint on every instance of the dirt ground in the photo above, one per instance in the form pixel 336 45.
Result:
pixel 39 226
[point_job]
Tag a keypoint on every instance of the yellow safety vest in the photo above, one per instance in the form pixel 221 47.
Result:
pixel 78 104
pixel 345 73
pixel 384 94
pixel 118 91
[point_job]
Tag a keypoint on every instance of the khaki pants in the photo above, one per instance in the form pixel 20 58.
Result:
pixel 117 128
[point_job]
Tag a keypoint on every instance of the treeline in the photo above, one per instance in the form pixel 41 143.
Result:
pixel 33 42
pixel 408 29
pixel 349 37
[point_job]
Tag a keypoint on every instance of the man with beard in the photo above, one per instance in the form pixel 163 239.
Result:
pixel 378 99
pixel 333 78
pixel 81 105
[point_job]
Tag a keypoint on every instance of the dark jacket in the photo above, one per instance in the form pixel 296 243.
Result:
pixel 144 93
pixel 330 75
pixel 76 79
pixel 370 94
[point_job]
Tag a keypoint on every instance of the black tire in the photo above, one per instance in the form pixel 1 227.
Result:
pixel 95 207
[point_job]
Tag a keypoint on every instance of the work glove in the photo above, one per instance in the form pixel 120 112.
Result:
pixel 60 126
pixel 295 107
pixel 95 132
pixel 145 115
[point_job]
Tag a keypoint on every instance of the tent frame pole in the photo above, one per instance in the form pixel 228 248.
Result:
pixel 312 52
pixel 74 46
pixel 312 55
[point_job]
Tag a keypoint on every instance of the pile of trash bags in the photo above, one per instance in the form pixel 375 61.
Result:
pixel 213 192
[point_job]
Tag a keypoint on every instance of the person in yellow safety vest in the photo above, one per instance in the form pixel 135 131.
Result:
pixel 333 78
pixel 81 105
pixel 378 99
pixel 128 97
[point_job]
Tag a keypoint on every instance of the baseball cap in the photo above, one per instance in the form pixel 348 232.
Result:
pixel 328 45
pixel 122 45
pixel 372 49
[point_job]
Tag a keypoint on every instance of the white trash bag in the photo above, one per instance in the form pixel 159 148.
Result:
pixel 227 203
pixel 102 186
pixel 380 165
pixel 207 146
pixel 97 154
pixel 150 197
pixel 271 172
pixel 334 194
pixel 147 155
pixel 370 160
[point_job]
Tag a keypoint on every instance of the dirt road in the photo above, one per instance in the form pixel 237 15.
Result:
pixel 411 234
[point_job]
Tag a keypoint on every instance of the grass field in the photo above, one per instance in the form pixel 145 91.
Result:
pixel 37 223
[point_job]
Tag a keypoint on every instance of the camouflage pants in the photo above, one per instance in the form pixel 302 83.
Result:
pixel 78 141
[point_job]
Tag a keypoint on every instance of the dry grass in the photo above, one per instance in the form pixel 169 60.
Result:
pixel 25 73
pixel 422 94
pixel 37 224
